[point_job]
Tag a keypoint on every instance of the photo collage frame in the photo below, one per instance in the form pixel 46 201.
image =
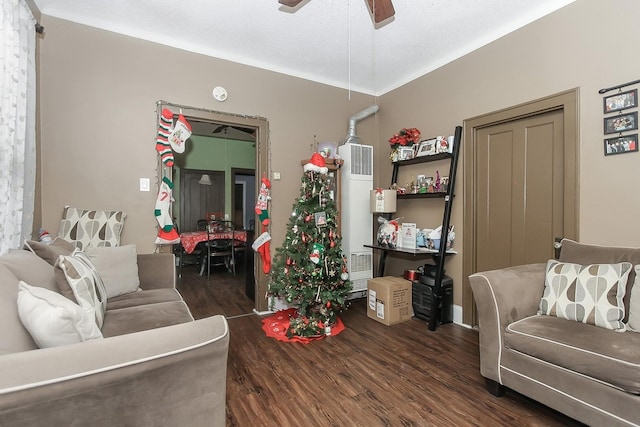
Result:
pixel 623 121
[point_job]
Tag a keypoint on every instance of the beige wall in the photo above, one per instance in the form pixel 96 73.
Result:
pixel 98 97
pixel 98 94
pixel 575 47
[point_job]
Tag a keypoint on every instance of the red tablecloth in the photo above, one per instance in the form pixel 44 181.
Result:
pixel 190 239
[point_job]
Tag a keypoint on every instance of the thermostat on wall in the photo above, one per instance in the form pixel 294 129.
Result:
pixel 220 93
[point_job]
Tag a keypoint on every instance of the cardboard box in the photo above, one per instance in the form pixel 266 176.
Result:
pixel 389 300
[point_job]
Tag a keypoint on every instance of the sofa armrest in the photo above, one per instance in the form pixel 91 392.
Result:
pixel 174 375
pixel 502 297
pixel 157 270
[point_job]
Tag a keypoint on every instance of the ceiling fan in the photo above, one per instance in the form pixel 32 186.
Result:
pixel 380 9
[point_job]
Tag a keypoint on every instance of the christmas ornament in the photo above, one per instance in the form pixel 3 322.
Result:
pixel 316 253
pixel 344 276
pixel 316 164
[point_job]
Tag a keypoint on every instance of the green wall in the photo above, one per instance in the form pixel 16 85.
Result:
pixel 213 154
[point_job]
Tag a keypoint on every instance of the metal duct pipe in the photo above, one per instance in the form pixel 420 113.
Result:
pixel 351 132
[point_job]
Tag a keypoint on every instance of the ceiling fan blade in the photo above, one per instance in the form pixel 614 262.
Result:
pixel 381 9
pixel 290 3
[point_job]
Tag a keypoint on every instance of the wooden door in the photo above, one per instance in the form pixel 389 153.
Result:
pixel 197 199
pixel 519 203
pixel 520 186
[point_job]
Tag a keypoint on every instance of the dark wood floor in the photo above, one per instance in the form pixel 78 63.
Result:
pixel 368 375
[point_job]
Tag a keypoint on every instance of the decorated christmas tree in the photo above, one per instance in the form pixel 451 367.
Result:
pixel 309 270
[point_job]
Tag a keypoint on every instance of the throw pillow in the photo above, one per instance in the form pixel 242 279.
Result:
pixel 85 227
pixel 634 303
pixel 118 268
pixel 79 281
pixel 53 320
pixel 50 252
pixel 586 293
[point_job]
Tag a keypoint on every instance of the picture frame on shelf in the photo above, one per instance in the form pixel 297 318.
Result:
pixel 427 148
pixel 621 145
pixel 621 123
pixel 405 153
pixel 620 101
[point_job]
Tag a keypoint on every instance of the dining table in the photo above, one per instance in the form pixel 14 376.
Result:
pixel 189 239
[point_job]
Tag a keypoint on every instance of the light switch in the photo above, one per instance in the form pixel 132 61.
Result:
pixel 145 184
pixel 276 176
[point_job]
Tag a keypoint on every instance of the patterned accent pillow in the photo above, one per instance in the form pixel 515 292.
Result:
pixel 52 319
pixel 586 293
pixel 634 303
pixel 79 281
pixel 84 227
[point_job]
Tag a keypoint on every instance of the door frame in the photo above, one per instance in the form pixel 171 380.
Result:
pixel 234 172
pixel 261 126
pixel 567 102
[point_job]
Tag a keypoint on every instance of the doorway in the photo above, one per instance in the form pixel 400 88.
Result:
pixel 251 130
pixel 520 186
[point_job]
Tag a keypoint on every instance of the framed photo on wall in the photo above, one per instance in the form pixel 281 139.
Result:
pixel 620 101
pixel 405 153
pixel 621 123
pixel 426 148
pixel 621 145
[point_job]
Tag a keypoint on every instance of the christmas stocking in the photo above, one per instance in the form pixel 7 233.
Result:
pixel 179 135
pixel 262 245
pixel 263 199
pixel 167 237
pixel 163 202
pixel 162 141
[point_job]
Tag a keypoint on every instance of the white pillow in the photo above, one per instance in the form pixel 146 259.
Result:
pixel 79 281
pixel 53 320
pixel 118 268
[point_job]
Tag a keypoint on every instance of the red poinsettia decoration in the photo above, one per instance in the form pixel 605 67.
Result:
pixel 405 138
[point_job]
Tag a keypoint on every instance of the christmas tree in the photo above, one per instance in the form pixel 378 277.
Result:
pixel 309 270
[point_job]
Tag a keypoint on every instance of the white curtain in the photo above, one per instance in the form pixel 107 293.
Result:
pixel 17 123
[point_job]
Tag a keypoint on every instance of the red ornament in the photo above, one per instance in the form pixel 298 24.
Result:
pixel 288 261
pixel 328 304
pixel 308 218
pixel 332 244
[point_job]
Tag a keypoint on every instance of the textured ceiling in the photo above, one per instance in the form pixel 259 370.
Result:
pixel 328 41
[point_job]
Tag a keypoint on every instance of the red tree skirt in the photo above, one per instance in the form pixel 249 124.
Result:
pixel 276 325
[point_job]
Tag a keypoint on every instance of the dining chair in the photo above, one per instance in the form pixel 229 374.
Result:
pixel 220 251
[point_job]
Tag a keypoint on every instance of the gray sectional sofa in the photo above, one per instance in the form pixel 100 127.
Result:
pixel 154 366
pixel 588 372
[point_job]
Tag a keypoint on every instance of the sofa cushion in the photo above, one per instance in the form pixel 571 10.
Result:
pixel 78 281
pixel 88 227
pixel 150 296
pixel 580 253
pixel 586 293
pixel 140 318
pixel 27 266
pixel 50 252
pixel 595 352
pixel 53 320
pixel 14 337
pixel 118 268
